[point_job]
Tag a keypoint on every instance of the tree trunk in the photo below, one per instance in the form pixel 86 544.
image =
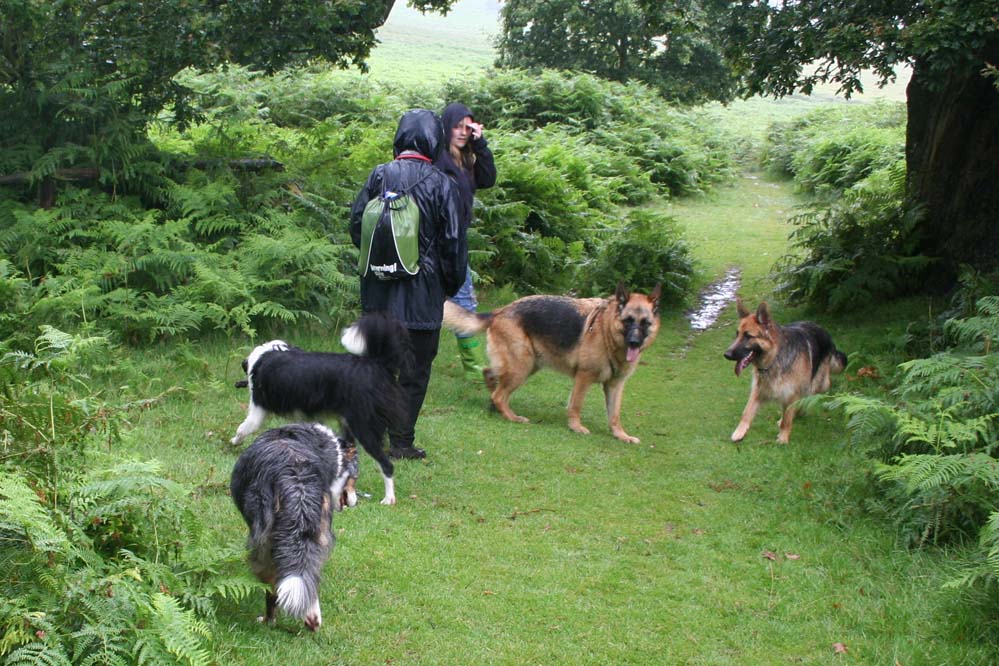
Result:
pixel 952 155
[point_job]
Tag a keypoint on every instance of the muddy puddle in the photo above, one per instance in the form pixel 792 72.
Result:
pixel 713 299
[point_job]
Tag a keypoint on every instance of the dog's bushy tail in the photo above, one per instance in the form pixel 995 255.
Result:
pixel 381 338
pixel 463 322
pixel 301 541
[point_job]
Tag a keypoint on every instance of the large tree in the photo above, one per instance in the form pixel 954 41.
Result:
pixel 952 141
pixel 672 46
pixel 80 79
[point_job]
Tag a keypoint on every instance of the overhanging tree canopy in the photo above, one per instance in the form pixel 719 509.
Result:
pixel 672 46
pixel 952 142
pixel 81 79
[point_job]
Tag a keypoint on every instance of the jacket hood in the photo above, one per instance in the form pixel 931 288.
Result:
pixel 452 114
pixel 419 130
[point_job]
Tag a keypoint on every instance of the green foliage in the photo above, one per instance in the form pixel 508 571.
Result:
pixel 936 440
pixel 104 566
pixel 860 248
pixel 621 41
pixel 647 250
pixel 833 148
pixel 80 83
pixel 211 260
pixel 782 48
pixel 217 248
pixel 679 150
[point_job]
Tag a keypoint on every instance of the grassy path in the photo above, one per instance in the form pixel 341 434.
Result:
pixel 530 544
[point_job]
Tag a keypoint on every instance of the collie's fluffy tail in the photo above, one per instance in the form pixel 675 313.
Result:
pixel 461 321
pixel 380 338
pixel 301 542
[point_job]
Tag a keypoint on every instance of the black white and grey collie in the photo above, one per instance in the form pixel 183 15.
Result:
pixel 287 485
pixel 360 387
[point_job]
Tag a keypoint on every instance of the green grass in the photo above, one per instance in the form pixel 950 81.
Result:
pixel 530 544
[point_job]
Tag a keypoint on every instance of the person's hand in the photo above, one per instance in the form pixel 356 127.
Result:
pixel 475 129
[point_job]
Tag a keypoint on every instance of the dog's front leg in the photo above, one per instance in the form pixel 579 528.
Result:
pixel 270 608
pixel 576 398
pixel 748 414
pixel 254 419
pixel 613 392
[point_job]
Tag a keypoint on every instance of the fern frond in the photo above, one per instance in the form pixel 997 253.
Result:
pixel 24 518
pixel 177 631
pixel 39 654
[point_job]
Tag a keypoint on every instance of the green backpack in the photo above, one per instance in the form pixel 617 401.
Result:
pixel 390 237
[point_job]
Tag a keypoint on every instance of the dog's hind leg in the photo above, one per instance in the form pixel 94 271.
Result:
pixel 372 441
pixel 613 392
pixel 784 425
pixel 501 400
pixel 270 607
pixel 579 388
pixel 254 419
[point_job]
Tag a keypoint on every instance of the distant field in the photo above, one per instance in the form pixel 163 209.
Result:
pixel 417 47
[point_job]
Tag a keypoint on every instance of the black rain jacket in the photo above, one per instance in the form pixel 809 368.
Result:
pixel 483 173
pixel 418 303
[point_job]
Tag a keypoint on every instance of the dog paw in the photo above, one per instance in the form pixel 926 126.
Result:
pixel 738 435
pixel 389 500
pixel 628 438
pixel 520 419
pixel 581 429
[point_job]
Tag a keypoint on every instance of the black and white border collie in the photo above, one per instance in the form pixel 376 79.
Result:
pixel 287 485
pixel 361 387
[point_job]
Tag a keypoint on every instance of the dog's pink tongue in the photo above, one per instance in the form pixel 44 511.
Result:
pixel 633 353
pixel 743 364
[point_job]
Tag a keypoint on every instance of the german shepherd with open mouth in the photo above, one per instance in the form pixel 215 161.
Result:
pixel 789 362
pixel 590 339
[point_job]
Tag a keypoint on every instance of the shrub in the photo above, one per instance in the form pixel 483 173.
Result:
pixel 107 566
pixel 647 250
pixel 833 148
pixel 936 438
pixel 856 249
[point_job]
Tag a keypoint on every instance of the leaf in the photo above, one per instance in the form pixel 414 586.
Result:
pixel 839 648
pixel 770 555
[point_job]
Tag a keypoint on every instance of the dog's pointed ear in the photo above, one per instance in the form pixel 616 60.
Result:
pixel 655 296
pixel 741 308
pixel 763 314
pixel 622 295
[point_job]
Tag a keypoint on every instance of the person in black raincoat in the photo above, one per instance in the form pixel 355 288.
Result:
pixel 467 159
pixel 417 302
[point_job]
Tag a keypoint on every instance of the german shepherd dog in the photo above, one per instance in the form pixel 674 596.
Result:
pixel 789 362
pixel 286 485
pixel 590 339
pixel 360 387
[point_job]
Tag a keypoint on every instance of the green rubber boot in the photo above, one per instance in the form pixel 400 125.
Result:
pixel 473 359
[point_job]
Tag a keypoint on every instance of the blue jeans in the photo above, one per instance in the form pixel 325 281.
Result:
pixel 466 297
